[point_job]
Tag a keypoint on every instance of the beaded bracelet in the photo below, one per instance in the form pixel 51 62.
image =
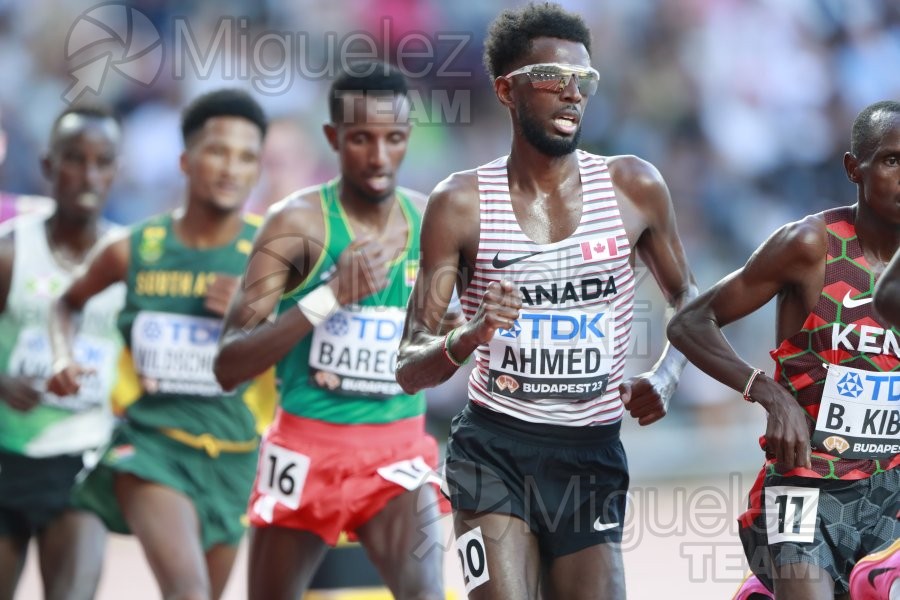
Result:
pixel 756 373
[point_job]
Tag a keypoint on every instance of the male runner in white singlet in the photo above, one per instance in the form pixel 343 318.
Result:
pixel 542 249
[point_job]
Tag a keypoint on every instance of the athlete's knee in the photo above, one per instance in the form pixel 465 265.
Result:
pixel 877 575
pixel 195 590
pixel 190 594
pixel 425 585
pixel 82 588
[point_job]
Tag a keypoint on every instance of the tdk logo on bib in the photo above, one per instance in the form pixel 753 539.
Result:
pixel 850 386
pixel 885 387
pixel 512 332
pixel 369 328
pixel 195 333
pixel 152 330
pixel 543 326
pixel 338 324
pixel 882 387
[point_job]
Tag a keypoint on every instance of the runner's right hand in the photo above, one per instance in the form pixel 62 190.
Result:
pixel 787 430
pixel 65 379
pixel 361 271
pixel 19 393
pixel 499 309
pixel 220 292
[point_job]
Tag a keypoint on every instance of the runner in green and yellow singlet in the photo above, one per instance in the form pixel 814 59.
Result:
pixel 348 450
pixel 179 468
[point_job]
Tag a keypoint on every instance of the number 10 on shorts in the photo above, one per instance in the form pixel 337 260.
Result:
pixel 791 513
pixel 282 474
pixel 472 555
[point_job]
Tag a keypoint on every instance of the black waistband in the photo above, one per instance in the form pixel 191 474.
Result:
pixel 542 433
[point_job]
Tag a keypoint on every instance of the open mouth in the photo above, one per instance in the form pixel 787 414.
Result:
pixel 227 187
pixel 566 123
pixel 88 200
pixel 379 182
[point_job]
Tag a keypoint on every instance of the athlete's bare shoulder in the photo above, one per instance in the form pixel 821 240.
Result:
pixel 458 191
pixel 418 199
pixel 798 245
pixel 451 224
pixel 643 198
pixel 293 233
pixel 28 204
pixel 299 212
pixel 639 180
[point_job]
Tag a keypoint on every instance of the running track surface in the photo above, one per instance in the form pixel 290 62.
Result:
pixel 680 542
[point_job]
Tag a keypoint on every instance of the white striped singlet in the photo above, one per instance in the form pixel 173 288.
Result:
pixel 562 361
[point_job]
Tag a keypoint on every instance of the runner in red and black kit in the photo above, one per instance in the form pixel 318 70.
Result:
pixel 887 292
pixel 829 493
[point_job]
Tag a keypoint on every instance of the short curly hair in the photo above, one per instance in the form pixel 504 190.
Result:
pixel 870 125
pixel 373 78
pixel 227 102
pixel 512 32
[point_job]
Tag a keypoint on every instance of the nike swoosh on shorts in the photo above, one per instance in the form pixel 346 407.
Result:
pixel 600 526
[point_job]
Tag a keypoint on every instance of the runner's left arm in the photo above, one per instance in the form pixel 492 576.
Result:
pixel 106 266
pixel 646 396
pixel 252 338
pixel 780 266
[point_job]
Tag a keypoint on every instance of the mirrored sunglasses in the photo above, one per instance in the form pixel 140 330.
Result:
pixel 554 77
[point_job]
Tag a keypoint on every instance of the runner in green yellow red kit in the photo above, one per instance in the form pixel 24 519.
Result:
pixel 348 450
pixel 179 468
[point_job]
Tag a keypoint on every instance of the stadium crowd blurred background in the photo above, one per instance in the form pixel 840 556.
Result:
pixel 745 107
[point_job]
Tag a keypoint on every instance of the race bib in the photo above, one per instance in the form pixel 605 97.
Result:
pixel 410 474
pixel 558 355
pixel 32 357
pixel 790 513
pixel 354 352
pixel 174 354
pixel 282 474
pixel 472 553
pixel 859 416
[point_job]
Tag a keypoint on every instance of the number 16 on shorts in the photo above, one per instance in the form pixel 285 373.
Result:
pixel 790 513
pixel 282 474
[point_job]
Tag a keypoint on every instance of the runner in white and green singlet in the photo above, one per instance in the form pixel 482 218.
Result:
pixel 43 437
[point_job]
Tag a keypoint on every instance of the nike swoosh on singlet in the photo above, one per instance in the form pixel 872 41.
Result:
pixel 851 303
pixel 502 264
